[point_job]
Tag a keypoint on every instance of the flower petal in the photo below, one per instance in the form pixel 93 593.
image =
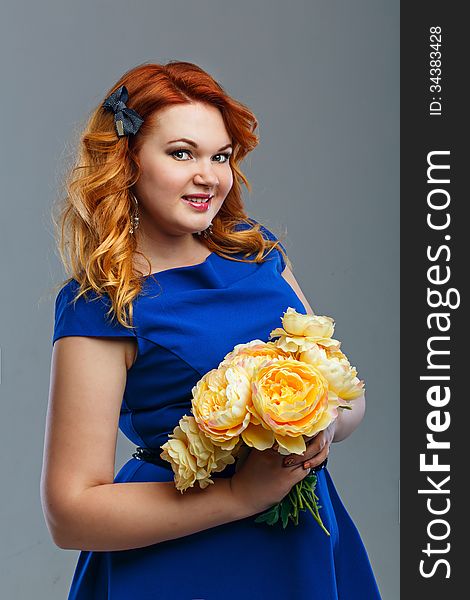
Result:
pixel 258 437
pixel 292 445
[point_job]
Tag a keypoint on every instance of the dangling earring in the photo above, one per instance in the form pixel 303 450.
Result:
pixel 135 216
pixel 206 232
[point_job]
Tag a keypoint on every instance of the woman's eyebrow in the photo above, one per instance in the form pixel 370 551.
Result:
pixel 191 143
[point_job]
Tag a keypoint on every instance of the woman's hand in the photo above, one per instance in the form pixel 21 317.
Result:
pixel 262 480
pixel 318 448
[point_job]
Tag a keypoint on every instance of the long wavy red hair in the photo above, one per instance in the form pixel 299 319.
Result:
pixel 93 219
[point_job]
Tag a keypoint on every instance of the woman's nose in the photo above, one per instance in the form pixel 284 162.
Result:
pixel 205 175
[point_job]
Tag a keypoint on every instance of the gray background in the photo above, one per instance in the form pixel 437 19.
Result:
pixel 323 79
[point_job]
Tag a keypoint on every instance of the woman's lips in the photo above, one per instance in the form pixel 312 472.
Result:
pixel 199 196
pixel 199 206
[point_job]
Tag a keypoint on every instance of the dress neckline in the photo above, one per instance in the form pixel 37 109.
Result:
pixel 172 269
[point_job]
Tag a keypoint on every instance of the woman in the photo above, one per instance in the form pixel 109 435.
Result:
pixel 167 275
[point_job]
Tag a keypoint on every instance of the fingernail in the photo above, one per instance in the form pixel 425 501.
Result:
pixel 307 465
pixel 289 461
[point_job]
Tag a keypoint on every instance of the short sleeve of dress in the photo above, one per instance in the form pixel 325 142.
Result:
pixel 85 317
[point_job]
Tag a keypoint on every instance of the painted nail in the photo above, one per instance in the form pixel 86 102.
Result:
pixel 307 465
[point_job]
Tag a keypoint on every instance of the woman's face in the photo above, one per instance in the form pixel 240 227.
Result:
pixel 173 169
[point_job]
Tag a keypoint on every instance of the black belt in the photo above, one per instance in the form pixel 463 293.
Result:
pixel 321 465
pixel 152 456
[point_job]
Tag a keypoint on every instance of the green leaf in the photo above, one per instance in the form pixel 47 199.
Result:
pixel 285 513
pixel 292 498
pixel 274 517
pixel 262 518
pixel 270 516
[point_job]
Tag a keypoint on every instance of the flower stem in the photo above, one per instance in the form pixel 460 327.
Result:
pixel 313 508
pixel 301 497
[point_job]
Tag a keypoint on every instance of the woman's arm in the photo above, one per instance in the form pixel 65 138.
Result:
pixel 348 420
pixel 84 509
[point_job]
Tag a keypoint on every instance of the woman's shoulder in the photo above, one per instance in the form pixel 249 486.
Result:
pixel 268 234
pixel 68 298
pixel 250 223
pixel 85 315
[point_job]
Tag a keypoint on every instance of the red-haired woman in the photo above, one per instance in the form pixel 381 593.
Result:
pixel 167 273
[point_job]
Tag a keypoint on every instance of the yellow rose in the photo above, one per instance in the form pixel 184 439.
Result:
pixel 291 400
pixel 335 367
pixel 300 332
pixel 208 455
pixel 219 404
pixel 336 353
pixel 192 455
pixel 251 355
pixel 183 463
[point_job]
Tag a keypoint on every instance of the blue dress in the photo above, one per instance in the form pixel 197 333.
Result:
pixel 186 321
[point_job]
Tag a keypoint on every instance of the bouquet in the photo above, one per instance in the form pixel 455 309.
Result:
pixel 264 395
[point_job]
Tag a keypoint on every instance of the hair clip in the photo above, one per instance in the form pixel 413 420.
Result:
pixel 126 120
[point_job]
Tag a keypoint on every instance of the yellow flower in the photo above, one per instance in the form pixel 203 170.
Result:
pixel 183 463
pixel 219 404
pixel 251 355
pixel 300 332
pixel 291 400
pixel 208 455
pixel 335 367
pixel 193 456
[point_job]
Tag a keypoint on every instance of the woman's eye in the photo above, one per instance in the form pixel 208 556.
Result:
pixel 225 155
pixel 179 152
